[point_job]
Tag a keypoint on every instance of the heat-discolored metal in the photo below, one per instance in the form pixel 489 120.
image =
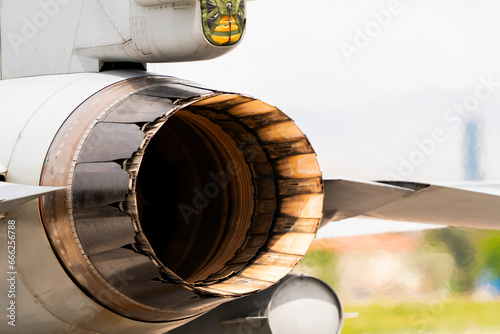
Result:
pixel 178 196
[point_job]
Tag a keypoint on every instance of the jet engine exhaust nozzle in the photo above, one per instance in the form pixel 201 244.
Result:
pixel 178 197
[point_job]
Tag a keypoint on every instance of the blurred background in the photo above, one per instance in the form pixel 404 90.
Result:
pixel 401 90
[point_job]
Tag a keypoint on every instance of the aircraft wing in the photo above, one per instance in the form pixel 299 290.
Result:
pixel 13 195
pixel 410 202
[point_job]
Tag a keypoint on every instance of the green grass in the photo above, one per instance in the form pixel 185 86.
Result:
pixel 448 316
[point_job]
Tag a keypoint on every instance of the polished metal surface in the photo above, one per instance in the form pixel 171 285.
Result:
pixel 305 305
pixel 296 304
pixel 111 142
pixel 442 205
pixel 51 301
pixel 410 202
pixel 196 196
pixel 346 198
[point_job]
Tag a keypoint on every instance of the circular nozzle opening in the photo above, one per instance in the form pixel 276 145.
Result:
pixel 176 192
pixel 195 197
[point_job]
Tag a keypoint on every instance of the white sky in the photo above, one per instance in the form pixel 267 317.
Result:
pixel 363 117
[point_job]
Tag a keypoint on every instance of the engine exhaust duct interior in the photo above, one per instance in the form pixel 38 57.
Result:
pixel 178 197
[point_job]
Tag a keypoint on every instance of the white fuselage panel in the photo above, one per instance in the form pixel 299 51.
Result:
pixel 42 37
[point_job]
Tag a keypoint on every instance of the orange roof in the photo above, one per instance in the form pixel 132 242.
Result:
pixel 390 242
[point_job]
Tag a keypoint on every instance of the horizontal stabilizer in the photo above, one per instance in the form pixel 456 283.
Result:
pixel 410 202
pixel 13 195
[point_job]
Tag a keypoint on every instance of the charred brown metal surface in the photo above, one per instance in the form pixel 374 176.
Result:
pixel 179 197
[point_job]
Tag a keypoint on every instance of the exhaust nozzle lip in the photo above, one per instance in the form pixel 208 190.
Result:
pixel 284 171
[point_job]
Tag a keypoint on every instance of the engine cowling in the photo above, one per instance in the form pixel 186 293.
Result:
pixel 178 198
